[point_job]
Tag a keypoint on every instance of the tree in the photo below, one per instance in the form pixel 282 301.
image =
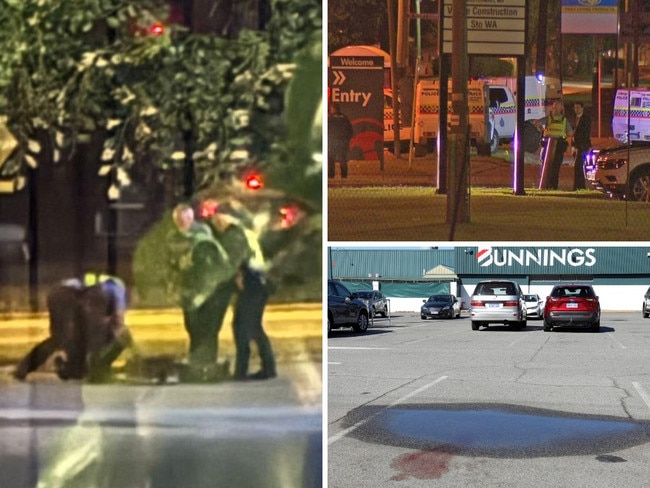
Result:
pixel 80 74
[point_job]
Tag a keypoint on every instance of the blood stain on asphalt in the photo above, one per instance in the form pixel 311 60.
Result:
pixel 423 465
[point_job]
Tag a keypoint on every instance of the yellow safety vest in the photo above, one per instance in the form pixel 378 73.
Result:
pixel 556 126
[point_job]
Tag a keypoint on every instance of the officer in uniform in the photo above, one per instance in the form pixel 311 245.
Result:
pixel 557 129
pixel 203 278
pixel 86 326
pixel 241 244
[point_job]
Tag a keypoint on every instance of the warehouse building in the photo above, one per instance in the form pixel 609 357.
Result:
pixel 620 275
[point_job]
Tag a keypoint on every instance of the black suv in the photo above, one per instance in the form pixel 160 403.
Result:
pixel 646 304
pixel 343 310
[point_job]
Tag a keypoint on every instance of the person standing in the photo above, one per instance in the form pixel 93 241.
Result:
pixel 243 248
pixel 201 276
pixel 557 129
pixel 581 143
pixel 87 329
pixel 339 135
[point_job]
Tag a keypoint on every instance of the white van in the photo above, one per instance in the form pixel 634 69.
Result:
pixel 636 120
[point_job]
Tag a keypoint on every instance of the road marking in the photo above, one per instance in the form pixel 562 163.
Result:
pixel 609 334
pixel 330 362
pixel 359 348
pixel 354 427
pixel 644 394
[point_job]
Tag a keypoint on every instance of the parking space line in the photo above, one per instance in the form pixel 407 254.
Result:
pixel 644 394
pixel 611 336
pixel 354 427
pixel 330 362
pixel 359 348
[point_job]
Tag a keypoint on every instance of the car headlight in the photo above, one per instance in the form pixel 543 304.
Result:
pixel 611 163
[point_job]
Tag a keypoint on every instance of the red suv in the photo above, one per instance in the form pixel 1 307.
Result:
pixel 572 306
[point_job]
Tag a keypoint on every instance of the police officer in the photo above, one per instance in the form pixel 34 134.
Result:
pixel 87 327
pixel 339 135
pixel 245 253
pixel 203 278
pixel 557 129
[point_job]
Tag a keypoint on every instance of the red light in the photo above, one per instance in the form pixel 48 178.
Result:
pixel 254 182
pixel 208 208
pixel 157 29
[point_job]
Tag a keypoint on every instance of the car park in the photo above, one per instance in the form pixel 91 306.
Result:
pixel 572 305
pixel 497 301
pixel 534 306
pixel 646 304
pixel 621 171
pixel 343 310
pixel 440 306
pixel 375 301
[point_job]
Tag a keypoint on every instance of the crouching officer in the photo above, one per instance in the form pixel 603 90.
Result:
pixel 87 329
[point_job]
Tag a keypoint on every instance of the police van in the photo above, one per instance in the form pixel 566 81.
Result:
pixel 539 99
pixel 427 114
pixel 631 116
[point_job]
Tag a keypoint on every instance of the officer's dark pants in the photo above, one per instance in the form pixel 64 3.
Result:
pixel 247 327
pixel 578 170
pixel 81 325
pixel 340 155
pixel 203 325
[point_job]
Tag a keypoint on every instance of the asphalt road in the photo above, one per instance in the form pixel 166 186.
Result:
pixel 433 403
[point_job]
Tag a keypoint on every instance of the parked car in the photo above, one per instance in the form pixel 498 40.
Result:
pixel 498 301
pixel 375 300
pixel 573 305
pixel 440 306
pixel 622 171
pixel 343 310
pixel 646 304
pixel 534 306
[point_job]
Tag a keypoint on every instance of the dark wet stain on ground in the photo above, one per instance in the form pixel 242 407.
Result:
pixel 423 465
pixel 497 430
pixel 608 458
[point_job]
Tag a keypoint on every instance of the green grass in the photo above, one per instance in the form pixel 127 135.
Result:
pixel 418 214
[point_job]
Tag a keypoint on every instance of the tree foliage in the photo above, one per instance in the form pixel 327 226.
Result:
pixel 72 69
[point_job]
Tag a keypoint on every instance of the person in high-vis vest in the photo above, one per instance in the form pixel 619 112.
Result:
pixel 202 278
pixel 242 245
pixel 87 329
pixel 557 128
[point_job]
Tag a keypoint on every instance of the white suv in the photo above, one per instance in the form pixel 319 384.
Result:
pixel 607 170
pixel 498 301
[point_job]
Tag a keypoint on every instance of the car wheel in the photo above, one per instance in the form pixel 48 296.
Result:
pixel 329 326
pixel 475 325
pixel 645 313
pixel 595 327
pixel 384 313
pixel 423 317
pixel 362 323
pixel 547 326
pixel 523 323
pixel 639 186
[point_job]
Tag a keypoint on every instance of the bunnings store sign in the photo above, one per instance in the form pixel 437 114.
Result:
pixel 485 260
